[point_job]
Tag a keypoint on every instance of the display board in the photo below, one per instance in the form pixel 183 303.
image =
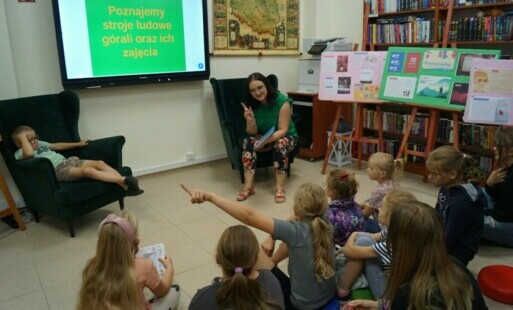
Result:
pixel 490 96
pixel 436 77
pixel 354 76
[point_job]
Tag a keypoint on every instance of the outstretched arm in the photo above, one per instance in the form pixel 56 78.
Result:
pixel 62 146
pixel 239 211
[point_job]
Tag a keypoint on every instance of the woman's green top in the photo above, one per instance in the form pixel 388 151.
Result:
pixel 267 116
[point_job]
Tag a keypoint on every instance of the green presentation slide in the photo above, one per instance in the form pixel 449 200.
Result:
pixel 135 36
pixel 436 77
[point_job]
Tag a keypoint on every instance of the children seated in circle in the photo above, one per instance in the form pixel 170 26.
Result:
pixel 308 236
pixel 422 274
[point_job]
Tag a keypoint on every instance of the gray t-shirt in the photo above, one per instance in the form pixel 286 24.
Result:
pixel 205 298
pixel 306 291
pixel 43 150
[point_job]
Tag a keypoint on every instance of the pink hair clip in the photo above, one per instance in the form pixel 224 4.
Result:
pixel 238 270
pixel 121 222
pixel 343 176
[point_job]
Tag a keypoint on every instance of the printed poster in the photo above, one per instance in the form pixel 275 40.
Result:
pixel 436 77
pixel 352 76
pixel 490 96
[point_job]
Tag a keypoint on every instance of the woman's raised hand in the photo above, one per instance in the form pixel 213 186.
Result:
pixel 248 113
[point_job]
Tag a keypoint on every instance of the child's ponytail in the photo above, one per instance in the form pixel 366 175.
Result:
pixel 342 183
pixel 237 253
pixel 398 169
pixel 311 204
pixel 322 248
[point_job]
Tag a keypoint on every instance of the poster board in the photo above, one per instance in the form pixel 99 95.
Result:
pixel 490 96
pixel 351 76
pixel 435 77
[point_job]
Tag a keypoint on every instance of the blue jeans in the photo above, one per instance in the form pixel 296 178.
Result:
pixel 374 271
pixel 493 230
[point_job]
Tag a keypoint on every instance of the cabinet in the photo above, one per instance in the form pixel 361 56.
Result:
pixel 317 117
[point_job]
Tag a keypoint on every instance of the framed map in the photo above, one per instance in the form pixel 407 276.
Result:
pixel 256 27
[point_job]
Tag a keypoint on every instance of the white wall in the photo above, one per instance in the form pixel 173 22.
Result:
pixel 160 122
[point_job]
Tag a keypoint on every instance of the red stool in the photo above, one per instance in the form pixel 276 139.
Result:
pixel 496 282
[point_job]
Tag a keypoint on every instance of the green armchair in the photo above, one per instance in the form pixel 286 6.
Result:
pixel 228 94
pixel 55 118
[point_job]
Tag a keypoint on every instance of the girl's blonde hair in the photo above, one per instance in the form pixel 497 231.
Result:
pixel 237 252
pixel 396 197
pixel 108 280
pixel 342 184
pixel 393 168
pixel 311 204
pixel 504 143
pixel 416 235
pixel 447 158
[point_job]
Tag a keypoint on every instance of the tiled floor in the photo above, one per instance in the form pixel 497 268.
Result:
pixel 40 268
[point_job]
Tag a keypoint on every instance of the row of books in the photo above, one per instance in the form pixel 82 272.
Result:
pixel 477 2
pixel 396 122
pixel 487 28
pixel 480 136
pixel 392 147
pixel 388 6
pixel 412 30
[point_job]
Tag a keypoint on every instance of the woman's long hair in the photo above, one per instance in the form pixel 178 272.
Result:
pixel 416 240
pixel 238 248
pixel 311 204
pixel 271 91
pixel 504 143
pixel 108 280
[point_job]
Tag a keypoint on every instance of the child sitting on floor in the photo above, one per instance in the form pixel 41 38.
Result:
pixel 243 285
pixel 115 279
pixel 460 204
pixel 370 251
pixel 344 213
pixel 387 171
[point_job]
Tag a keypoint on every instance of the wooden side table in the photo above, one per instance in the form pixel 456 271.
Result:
pixel 11 209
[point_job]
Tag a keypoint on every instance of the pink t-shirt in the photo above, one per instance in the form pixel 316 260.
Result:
pixel 146 275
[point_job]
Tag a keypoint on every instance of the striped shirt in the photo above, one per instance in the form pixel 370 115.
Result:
pixel 381 249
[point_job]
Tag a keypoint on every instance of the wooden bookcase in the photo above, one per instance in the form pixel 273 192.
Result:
pixel 429 23
pixel 316 119
pixel 411 24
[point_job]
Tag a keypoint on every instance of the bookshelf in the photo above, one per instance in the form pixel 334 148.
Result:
pixel 422 23
pixel 484 24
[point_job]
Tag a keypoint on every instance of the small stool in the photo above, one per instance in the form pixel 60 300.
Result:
pixel 496 282
pixel 341 151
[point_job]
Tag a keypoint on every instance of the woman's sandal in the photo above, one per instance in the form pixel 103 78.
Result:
pixel 279 197
pixel 246 192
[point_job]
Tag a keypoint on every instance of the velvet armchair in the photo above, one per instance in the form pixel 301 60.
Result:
pixel 55 117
